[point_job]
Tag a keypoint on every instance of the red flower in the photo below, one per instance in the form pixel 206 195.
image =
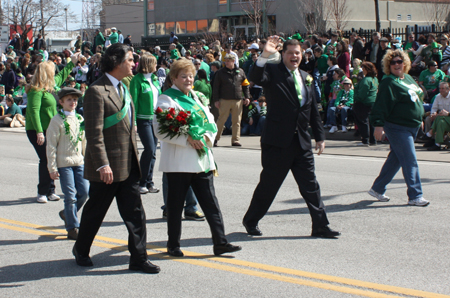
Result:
pixel 179 118
pixel 172 111
pixel 169 117
pixel 158 110
pixel 171 127
pixel 176 129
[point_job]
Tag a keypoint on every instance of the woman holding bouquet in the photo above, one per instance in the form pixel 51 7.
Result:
pixel 186 157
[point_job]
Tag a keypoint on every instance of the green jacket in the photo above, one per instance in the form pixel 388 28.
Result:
pixel 398 102
pixel 99 40
pixel 206 67
pixel 203 87
pixel 142 95
pixel 114 37
pixel 41 106
pixel 344 98
pixel 366 91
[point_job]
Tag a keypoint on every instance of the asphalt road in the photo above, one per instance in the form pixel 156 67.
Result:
pixel 386 249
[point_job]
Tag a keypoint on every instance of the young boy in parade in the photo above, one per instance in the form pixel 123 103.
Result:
pixel 356 72
pixel 65 154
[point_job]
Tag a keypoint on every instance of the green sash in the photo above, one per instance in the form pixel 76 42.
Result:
pixel 199 123
pixel 117 117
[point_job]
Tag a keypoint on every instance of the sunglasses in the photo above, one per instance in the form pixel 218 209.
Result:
pixel 394 62
pixel 197 64
pixel 434 65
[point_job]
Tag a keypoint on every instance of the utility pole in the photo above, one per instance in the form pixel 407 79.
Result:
pixel 377 16
pixel 65 9
pixel 41 4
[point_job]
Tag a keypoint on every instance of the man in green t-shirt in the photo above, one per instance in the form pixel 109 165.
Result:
pixel 13 116
pixel 430 79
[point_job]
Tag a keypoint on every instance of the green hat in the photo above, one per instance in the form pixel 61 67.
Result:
pixel 71 79
pixel 282 39
pixel 30 49
pixel 296 36
pixel 206 48
pixel 10 47
pixel 174 54
pixel 435 45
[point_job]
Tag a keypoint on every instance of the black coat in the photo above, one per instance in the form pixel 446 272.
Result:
pixel 284 114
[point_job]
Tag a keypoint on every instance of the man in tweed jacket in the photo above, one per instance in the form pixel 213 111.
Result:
pixel 111 161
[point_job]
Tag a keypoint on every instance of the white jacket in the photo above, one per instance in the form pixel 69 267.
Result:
pixel 177 155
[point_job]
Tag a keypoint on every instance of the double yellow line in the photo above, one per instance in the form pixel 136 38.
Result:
pixel 309 279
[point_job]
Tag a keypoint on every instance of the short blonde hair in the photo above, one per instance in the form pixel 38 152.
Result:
pixel 147 63
pixel 181 65
pixel 44 77
pixel 390 54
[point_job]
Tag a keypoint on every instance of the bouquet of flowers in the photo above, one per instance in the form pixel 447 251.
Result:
pixel 173 123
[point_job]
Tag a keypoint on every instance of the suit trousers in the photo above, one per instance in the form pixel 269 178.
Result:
pixel 235 107
pixel 203 186
pixel 276 164
pixel 130 208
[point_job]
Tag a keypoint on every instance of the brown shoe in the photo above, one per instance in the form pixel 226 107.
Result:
pixel 236 144
pixel 72 234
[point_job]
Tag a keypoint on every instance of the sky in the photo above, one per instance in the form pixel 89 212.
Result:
pixel 77 7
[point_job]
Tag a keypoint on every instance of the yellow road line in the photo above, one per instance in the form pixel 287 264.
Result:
pixel 241 263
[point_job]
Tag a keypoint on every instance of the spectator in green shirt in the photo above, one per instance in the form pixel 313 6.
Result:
pixel 13 116
pixel 202 84
pixel 430 79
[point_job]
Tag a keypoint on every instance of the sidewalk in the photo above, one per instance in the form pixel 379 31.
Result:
pixel 336 144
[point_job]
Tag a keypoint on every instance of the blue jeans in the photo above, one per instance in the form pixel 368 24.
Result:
pixel 330 105
pixel 76 190
pixel 402 154
pixel 344 112
pixel 190 200
pixel 317 86
pixel 148 156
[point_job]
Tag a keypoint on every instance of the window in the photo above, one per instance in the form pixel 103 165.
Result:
pixel 151 29
pixel 202 25
pixel 222 2
pixel 160 29
pixel 180 28
pixel 399 17
pixel 213 25
pixel 191 27
pixel 170 27
pixel 150 5
pixel 408 17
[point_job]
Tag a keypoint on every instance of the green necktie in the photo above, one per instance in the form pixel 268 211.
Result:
pixel 298 88
pixel 127 118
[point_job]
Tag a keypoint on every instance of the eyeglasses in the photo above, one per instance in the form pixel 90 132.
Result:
pixel 393 62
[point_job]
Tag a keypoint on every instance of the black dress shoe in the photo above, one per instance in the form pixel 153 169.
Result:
pixel 221 249
pixel 84 261
pixel 253 231
pixel 324 232
pixel 175 252
pixel 146 267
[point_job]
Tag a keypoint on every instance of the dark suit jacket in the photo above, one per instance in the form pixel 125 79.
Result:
pixel 284 114
pixel 112 146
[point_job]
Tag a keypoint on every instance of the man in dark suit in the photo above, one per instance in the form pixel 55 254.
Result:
pixel 111 160
pixel 285 141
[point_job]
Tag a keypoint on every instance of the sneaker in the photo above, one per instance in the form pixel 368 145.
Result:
pixel 53 197
pixel 333 129
pixel 153 189
pixel 380 197
pixel 197 215
pixel 344 129
pixel 41 199
pixel 362 144
pixel 419 202
pixel 143 190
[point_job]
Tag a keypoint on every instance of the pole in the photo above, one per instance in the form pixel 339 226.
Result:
pixel 264 21
pixel 377 15
pixel 65 9
pixel 42 18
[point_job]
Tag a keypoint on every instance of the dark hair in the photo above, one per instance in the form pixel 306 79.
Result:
pixel 334 34
pixel 431 35
pixel 318 50
pixel 262 98
pixel 199 57
pixel 290 42
pixel 370 69
pixel 431 63
pixel 202 75
pixel 340 72
pixel 422 39
pixel 315 38
pixel 333 60
pixel 344 47
pixel 114 56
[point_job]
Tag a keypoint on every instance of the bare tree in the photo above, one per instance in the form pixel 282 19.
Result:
pixel 23 15
pixel 256 10
pixel 338 13
pixel 313 14
pixel 51 12
pixel 437 12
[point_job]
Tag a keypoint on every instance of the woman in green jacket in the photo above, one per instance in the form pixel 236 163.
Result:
pixel 41 108
pixel 364 98
pixel 202 85
pixel 145 89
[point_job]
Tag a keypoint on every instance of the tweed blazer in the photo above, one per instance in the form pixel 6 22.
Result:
pixel 112 146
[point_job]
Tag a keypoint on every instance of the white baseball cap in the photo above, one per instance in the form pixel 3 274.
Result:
pixel 254 46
